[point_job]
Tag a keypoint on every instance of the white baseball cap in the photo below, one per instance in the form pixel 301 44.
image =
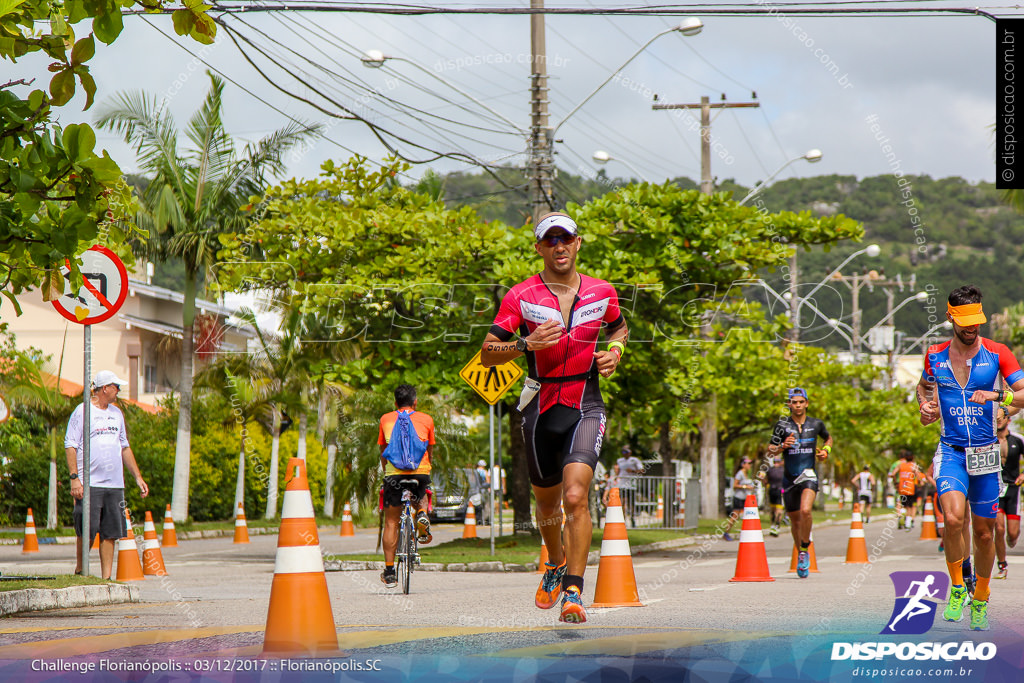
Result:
pixel 481 463
pixel 555 220
pixel 105 377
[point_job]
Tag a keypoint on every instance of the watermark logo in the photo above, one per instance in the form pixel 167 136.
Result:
pixel 918 595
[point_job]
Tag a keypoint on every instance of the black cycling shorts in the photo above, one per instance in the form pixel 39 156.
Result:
pixel 791 493
pixel 106 514
pixel 393 489
pixel 1008 502
pixel 774 496
pixel 560 436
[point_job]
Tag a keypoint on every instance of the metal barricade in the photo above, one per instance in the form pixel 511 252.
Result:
pixel 659 502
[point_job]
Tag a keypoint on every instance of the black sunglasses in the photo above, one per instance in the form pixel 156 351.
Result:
pixel 563 238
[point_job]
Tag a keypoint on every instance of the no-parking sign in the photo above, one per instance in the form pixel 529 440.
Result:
pixel 104 288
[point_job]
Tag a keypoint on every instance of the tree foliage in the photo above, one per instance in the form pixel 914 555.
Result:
pixel 58 194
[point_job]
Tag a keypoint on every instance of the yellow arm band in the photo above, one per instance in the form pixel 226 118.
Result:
pixel 1008 398
pixel 617 345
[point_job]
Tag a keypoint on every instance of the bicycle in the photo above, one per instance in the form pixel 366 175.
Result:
pixel 406 555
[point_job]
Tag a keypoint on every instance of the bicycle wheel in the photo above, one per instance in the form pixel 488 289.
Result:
pixel 404 561
pixel 410 554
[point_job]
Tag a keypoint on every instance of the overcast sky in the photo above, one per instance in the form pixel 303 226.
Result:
pixel 928 81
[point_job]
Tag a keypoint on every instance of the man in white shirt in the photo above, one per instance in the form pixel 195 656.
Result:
pixel 109 453
pixel 630 468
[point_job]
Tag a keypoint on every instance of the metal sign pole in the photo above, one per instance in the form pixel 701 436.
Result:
pixel 497 474
pixel 83 475
pixel 491 490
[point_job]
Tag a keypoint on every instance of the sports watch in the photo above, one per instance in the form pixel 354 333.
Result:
pixel 521 345
pixel 75 475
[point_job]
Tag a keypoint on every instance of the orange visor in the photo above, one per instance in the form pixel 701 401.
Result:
pixel 966 315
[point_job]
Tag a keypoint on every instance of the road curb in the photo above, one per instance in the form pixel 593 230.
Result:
pixel 36 599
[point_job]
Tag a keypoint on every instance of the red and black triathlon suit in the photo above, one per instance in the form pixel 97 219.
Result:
pixel 566 422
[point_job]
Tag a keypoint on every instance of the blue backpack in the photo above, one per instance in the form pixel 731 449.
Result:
pixel 405 449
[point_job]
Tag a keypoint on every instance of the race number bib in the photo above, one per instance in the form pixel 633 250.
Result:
pixel 983 459
pixel 1003 486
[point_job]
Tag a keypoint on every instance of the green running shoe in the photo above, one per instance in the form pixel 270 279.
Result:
pixel 955 609
pixel 979 615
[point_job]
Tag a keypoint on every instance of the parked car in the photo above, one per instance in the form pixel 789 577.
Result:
pixel 452 493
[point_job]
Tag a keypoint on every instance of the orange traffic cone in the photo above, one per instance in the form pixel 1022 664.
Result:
pixel 616 580
pixel 170 536
pixel 660 511
pixel 543 556
pixel 299 619
pixel 152 558
pixel 752 558
pixel 857 547
pixel 241 528
pixel 928 522
pixel 940 521
pixel 810 550
pixel 347 528
pixel 681 515
pixel 95 542
pixel 469 529
pixel 31 543
pixel 129 568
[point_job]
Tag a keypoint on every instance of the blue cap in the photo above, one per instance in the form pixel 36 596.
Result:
pixel 797 391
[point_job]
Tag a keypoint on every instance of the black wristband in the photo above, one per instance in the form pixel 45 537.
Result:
pixel 74 476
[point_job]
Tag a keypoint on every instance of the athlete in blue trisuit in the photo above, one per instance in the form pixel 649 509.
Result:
pixel 961 386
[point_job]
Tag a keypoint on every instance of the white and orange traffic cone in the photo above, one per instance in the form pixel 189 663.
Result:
pixel 152 558
pixel 857 547
pixel 616 580
pixel 299 618
pixel 681 515
pixel 170 535
pixel 347 527
pixel 469 529
pixel 928 532
pixel 95 542
pixel 810 551
pixel 940 521
pixel 752 558
pixel 241 528
pixel 129 567
pixel 660 511
pixel 31 542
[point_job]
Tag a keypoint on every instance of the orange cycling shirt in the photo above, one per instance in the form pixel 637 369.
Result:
pixel 908 476
pixel 424 425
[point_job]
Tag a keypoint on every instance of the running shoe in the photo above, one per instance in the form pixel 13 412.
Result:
pixel 979 615
pixel 955 609
pixel 550 586
pixel 774 531
pixel 572 607
pixel 803 564
pixel 1001 573
pixel 389 577
pixel 726 536
pixel 423 528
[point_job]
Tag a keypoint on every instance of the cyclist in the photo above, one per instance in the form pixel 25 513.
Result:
pixel 405 401
pixel 955 387
pixel 558 315
pixel 864 482
pixel 797 437
pixel 1008 518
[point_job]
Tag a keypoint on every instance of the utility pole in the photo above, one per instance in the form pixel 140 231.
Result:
pixel 705 106
pixel 710 498
pixel 541 162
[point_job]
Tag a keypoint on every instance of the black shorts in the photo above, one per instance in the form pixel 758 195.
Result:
pixel 106 514
pixel 791 493
pixel 1008 502
pixel 560 436
pixel 910 499
pixel 865 498
pixel 774 496
pixel 393 489
pixel 737 504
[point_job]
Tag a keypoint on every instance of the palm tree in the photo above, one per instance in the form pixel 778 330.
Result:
pixel 29 384
pixel 194 196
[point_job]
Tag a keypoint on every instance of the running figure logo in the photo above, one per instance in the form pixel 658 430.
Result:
pixel 917 597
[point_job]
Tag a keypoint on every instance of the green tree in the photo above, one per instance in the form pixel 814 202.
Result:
pixel 194 196
pixel 58 195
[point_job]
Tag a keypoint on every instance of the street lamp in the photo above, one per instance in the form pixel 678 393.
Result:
pixel 375 59
pixel 690 26
pixel 813 156
pixel 871 250
pixel 920 296
pixel 602 157
pixel 837 325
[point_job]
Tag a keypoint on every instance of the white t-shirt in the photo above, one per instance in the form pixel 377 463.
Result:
pixel 108 437
pixel 629 469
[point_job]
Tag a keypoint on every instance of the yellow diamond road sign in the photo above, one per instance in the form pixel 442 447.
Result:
pixel 490 383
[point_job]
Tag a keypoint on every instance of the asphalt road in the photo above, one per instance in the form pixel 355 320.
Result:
pixel 213 604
